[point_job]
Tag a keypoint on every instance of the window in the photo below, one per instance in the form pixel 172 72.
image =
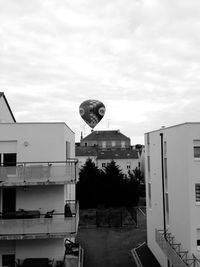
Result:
pixel 149 194
pixel 165 149
pixel 68 150
pixel 196 148
pixel 198 239
pixel 198 244
pixel 85 144
pixel 197 192
pixel 128 165
pixel 103 165
pixel 196 151
pixel 123 144
pixel 148 163
pixel 9 160
pixel 113 143
pixel 167 207
pixel 165 174
pixel 103 144
pixel 148 139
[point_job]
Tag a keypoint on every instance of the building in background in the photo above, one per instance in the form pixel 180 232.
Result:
pixel 127 160
pixel 173 194
pixel 39 214
pixel 104 146
pixel 106 140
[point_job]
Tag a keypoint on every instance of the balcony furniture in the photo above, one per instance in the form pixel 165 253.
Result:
pixel 37 262
pixel 68 212
pixel 22 214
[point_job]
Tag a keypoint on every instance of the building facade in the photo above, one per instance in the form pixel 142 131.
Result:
pixel 104 146
pixel 127 160
pixel 106 140
pixel 172 166
pixel 38 206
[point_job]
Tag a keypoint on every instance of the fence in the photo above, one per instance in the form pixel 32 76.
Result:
pixel 112 217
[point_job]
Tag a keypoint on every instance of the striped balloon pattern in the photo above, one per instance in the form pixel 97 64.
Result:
pixel 92 111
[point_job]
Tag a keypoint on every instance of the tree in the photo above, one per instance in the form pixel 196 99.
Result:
pixel 109 187
pixel 137 173
pixel 113 179
pixel 88 185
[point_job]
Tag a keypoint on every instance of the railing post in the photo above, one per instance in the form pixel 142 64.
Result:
pixel 23 172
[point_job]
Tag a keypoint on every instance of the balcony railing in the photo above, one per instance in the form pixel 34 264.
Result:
pixel 173 250
pixel 30 172
pixel 41 227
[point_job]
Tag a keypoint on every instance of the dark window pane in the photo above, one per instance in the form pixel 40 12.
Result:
pixel 196 151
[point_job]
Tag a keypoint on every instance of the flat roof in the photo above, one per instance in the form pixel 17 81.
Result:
pixel 11 123
pixel 176 125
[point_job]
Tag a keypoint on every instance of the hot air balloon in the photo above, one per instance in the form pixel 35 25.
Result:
pixel 92 111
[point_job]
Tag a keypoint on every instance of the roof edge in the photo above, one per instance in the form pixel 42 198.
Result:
pixel 172 126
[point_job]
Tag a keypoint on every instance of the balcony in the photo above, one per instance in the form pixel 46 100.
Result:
pixel 49 225
pixel 34 173
pixel 173 250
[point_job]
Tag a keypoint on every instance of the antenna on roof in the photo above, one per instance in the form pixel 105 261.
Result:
pixel 108 124
pixel 84 129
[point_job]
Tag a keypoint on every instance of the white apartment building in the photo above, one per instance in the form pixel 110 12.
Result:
pixel 38 173
pixel 173 194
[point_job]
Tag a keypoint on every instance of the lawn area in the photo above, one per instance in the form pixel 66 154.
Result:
pixel 109 246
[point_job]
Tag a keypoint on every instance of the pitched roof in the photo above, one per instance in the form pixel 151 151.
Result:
pixel 105 135
pixel 118 154
pixel 3 95
pixel 85 151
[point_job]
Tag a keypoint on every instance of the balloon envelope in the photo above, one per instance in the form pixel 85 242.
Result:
pixel 92 111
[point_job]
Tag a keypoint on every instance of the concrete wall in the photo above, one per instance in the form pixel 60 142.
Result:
pixel 39 141
pixel 5 115
pixel 43 198
pixel 43 248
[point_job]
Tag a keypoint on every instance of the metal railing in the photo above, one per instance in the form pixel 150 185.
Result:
pixel 56 223
pixel 172 250
pixel 40 172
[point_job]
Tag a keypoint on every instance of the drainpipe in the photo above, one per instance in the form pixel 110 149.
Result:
pixel 163 185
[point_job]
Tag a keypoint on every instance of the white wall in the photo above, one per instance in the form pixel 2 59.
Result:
pixel 5 115
pixel 46 141
pixel 69 136
pixel 43 198
pixel 42 248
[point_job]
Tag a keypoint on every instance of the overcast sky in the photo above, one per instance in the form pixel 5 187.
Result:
pixel 141 58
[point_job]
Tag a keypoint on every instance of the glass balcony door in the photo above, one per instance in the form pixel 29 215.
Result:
pixel 9 201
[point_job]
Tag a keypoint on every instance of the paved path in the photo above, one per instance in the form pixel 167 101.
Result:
pixel 110 247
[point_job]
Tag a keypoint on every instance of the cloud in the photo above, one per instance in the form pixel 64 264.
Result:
pixel 141 58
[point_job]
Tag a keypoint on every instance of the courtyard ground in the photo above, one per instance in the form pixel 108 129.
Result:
pixel 110 246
